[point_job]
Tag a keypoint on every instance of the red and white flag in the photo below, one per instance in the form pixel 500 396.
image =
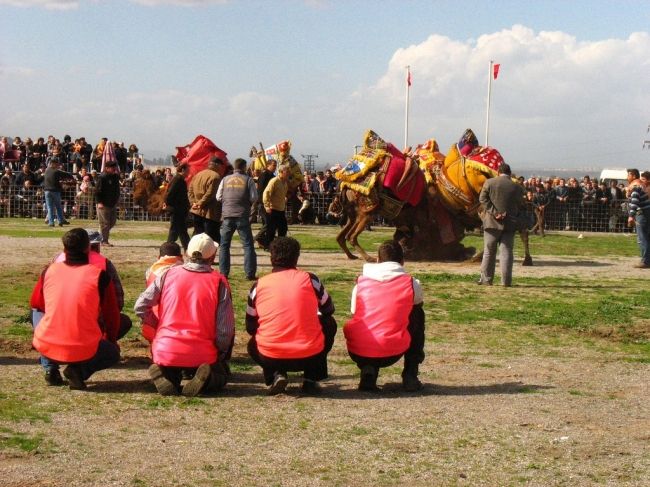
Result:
pixel 408 77
pixel 496 70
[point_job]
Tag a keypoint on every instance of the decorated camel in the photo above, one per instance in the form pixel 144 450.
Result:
pixel 431 198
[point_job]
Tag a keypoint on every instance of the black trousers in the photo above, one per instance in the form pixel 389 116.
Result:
pixel 178 228
pixel 314 367
pixel 205 225
pixel 413 356
pixel 276 221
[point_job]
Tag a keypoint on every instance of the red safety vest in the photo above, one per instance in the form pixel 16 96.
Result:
pixel 187 331
pixel 287 311
pixel 379 325
pixel 94 258
pixel 69 331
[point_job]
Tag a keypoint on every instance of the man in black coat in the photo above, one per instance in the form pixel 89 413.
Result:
pixel 107 194
pixel 177 205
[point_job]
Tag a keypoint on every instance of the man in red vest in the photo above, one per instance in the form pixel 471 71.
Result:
pixel 52 375
pixel 195 326
pixel 387 320
pixel 289 318
pixel 81 317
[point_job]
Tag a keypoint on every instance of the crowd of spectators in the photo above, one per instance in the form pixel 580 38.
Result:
pixel 552 203
pixel 581 205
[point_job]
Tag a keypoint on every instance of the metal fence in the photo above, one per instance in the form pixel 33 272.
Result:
pixel 24 202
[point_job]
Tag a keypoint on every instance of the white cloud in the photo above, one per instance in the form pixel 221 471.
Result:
pixel 553 94
pixel 48 4
pixel 13 72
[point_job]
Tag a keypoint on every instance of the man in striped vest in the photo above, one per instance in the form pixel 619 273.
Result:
pixel 387 320
pixel 289 318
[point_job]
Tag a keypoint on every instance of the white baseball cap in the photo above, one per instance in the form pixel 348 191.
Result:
pixel 203 244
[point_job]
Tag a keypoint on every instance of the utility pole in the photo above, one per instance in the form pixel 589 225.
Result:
pixel 309 164
pixel 646 143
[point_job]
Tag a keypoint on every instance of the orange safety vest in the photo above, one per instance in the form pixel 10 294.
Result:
pixel 158 268
pixel 94 258
pixel 186 333
pixel 287 310
pixel 69 331
pixel 379 327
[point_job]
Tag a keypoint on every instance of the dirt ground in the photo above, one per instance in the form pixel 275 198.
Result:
pixel 570 414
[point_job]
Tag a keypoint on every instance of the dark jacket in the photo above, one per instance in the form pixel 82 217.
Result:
pixel 176 198
pixel 53 177
pixel 107 190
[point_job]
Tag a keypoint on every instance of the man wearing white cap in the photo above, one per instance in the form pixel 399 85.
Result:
pixel 195 328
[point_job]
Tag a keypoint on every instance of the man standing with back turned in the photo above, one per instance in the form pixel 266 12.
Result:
pixel 502 200
pixel 237 192
pixel 639 215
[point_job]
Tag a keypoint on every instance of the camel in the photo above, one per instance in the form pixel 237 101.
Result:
pixel 433 228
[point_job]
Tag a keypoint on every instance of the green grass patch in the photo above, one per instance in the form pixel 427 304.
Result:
pixel 16 409
pixel 20 441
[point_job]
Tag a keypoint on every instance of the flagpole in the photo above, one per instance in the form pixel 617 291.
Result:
pixel 406 114
pixel 487 117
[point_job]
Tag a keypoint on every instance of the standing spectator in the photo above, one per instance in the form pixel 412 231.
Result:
pixel 274 199
pixel 562 204
pixel 574 193
pixel 269 173
pixel 331 183
pixel 237 192
pixel 205 208
pixel 318 184
pixel 387 320
pixel 177 205
pixel 639 215
pixel 107 194
pixel 52 185
pixel 289 318
pixel 501 199
pixel 540 201
pixel 69 331
pixel 121 155
pixel 616 199
pixel 193 333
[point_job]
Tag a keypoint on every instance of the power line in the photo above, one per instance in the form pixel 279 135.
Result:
pixel 309 164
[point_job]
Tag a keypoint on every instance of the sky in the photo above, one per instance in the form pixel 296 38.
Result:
pixel 573 90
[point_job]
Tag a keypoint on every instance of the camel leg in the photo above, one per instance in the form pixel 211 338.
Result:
pixel 343 236
pixel 528 260
pixel 360 226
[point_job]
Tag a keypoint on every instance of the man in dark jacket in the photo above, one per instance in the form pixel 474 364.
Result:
pixel 262 183
pixel 107 194
pixel 52 185
pixel 177 205
pixel 502 200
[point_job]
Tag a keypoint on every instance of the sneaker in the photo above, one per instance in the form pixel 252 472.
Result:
pixel 642 265
pixel 64 222
pixel 480 282
pixel 368 381
pixel 73 374
pixel 163 385
pixel 53 377
pixel 411 383
pixel 198 382
pixel 311 387
pixel 280 382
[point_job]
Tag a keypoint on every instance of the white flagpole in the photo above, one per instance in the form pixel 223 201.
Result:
pixel 487 118
pixel 406 114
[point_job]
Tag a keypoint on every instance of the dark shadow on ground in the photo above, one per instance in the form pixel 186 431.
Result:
pixel 18 361
pixel 569 263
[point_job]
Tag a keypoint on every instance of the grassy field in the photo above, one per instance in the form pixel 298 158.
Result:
pixel 544 383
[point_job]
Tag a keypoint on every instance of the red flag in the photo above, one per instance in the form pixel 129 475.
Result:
pixel 198 153
pixel 408 77
pixel 496 70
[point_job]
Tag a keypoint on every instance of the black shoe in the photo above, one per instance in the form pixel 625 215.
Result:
pixel 187 374
pixel 279 385
pixel 411 383
pixel 53 378
pixel 73 374
pixel 311 387
pixel 198 382
pixel 368 381
pixel 483 283
pixel 64 222
pixel 163 385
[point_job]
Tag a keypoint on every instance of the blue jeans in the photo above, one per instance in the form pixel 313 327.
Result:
pixel 53 203
pixel 108 354
pixel 642 222
pixel 243 227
